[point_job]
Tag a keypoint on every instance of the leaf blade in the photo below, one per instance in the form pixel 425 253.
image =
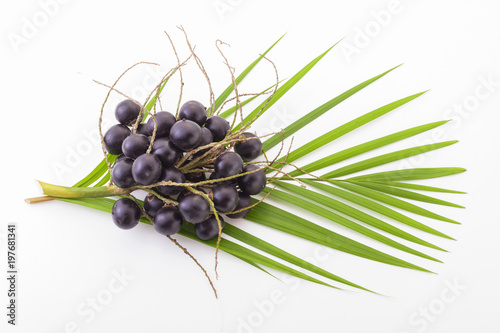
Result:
pixel 364 147
pixel 409 174
pixel 316 113
pixel 361 216
pixel 264 106
pixel 406 194
pixel 385 158
pixel 225 94
pixel 389 200
pixel 346 128
pixel 279 219
pixel 375 207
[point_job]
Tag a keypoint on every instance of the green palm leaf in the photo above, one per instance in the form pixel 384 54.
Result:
pixel 409 174
pixel 354 213
pixel 346 128
pixel 374 206
pixel 264 106
pixel 384 159
pixel 406 194
pixel 277 252
pixel 227 92
pixel 389 200
pixel 316 113
pixel 418 187
pixel 279 219
pixel 363 148
pixel 231 110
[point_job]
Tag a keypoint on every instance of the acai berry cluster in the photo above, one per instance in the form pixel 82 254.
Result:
pixel 192 166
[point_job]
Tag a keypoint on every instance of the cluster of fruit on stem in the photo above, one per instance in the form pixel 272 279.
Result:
pixel 193 167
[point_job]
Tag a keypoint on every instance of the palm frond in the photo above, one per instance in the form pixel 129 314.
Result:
pixel 346 128
pixel 349 202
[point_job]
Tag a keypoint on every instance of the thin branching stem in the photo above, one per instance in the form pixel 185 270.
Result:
pixel 202 69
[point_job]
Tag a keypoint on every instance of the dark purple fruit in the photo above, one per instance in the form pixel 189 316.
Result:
pixel 143 129
pixel 194 208
pixel 218 126
pixel 152 204
pixel 228 164
pixel 120 158
pixel 114 137
pixel 173 175
pixel 127 111
pixel 164 122
pixel 185 134
pixel 166 151
pixel 126 213
pixel 209 228
pixel 146 169
pixel 194 111
pixel 225 198
pixel 121 174
pixel 252 183
pixel 244 201
pixel 196 177
pixel 206 139
pixel 168 221
pixel 135 145
pixel 249 149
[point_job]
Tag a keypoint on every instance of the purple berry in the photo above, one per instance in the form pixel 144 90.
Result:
pixel 126 213
pixel 146 169
pixel 114 137
pixel 164 122
pixel 127 111
pixel 194 111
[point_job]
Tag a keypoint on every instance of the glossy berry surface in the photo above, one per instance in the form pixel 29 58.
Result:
pixel 209 228
pixel 175 176
pixel 185 134
pixel 225 198
pixel 194 111
pixel 152 204
pixel 244 201
pixel 206 139
pixel 249 149
pixel 146 169
pixel 166 151
pixel 164 122
pixel 228 164
pixel 167 221
pixel 114 137
pixel 218 126
pixel 143 129
pixel 126 213
pixel 121 174
pixel 135 145
pixel 252 183
pixel 127 111
pixel 120 158
pixel 194 208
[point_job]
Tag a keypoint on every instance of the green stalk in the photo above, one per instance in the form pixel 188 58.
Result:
pixel 57 191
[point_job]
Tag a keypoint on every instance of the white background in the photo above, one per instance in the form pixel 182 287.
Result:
pixel 69 254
